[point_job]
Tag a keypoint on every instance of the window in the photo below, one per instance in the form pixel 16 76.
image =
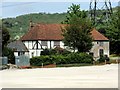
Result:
pixel 101 43
pixel 21 53
pixel 101 52
pixel 57 43
pixel 44 43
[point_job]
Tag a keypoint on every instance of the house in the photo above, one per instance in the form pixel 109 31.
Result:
pixel 18 47
pixel 21 53
pixel 50 36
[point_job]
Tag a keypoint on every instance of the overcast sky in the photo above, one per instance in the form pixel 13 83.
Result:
pixel 13 8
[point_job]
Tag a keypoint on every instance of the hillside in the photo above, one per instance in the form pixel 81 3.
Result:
pixel 19 25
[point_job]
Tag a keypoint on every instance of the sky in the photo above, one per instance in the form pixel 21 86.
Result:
pixel 13 8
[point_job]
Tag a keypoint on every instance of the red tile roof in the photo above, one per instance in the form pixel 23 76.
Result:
pixel 97 35
pixel 53 32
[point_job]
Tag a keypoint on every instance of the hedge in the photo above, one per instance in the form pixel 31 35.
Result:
pixel 71 58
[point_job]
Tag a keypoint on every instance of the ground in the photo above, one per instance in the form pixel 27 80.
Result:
pixel 105 76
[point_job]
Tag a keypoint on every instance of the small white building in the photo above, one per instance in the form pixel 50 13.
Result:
pixel 41 36
pixel 19 48
pixel 21 53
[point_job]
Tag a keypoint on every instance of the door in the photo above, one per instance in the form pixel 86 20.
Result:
pixel 101 52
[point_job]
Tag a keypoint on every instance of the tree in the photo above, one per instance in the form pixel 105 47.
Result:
pixel 5 37
pixel 77 32
pixel 113 32
pixel 5 50
pixel 10 54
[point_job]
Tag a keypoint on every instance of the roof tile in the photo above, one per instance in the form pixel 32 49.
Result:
pixel 53 32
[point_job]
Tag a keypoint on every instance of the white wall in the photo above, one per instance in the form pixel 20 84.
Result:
pixel 95 48
pixel 62 44
pixel 16 53
pixel 31 46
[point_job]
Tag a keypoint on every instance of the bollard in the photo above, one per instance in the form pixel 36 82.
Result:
pixel 42 65
pixel 93 62
pixel 116 61
pixel 105 61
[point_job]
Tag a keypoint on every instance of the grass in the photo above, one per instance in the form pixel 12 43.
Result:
pixel 115 55
pixel 73 65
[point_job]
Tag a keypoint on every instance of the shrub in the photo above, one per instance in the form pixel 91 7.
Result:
pixel 45 52
pixel 101 59
pixel 59 59
pixel 86 58
pixel 79 58
pixel 37 61
pixel 71 58
pixel 54 51
pixel 10 54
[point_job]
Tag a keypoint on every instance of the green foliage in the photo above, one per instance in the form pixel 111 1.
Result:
pixel 45 52
pixel 71 58
pixel 7 51
pixel 55 51
pixel 79 58
pixel 10 54
pixel 111 29
pixel 37 61
pixel 77 33
pixel 113 32
pixel 5 37
pixel 103 58
pixel 73 65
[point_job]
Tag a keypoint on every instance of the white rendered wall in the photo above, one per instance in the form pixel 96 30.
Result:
pixel 16 53
pixel 95 49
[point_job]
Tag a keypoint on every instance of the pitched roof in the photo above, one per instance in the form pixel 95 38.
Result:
pixel 97 35
pixel 53 32
pixel 17 46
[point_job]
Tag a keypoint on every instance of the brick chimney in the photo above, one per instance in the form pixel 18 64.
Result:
pixel 31 24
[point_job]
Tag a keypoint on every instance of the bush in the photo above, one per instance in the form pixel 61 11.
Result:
pixel 86 58
pixel 54 51
pixel 45 52
pixel 101 59
pixel 37 61
pixel 10 54
pixel 71 58
pixel 79 58
pixel 59 59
